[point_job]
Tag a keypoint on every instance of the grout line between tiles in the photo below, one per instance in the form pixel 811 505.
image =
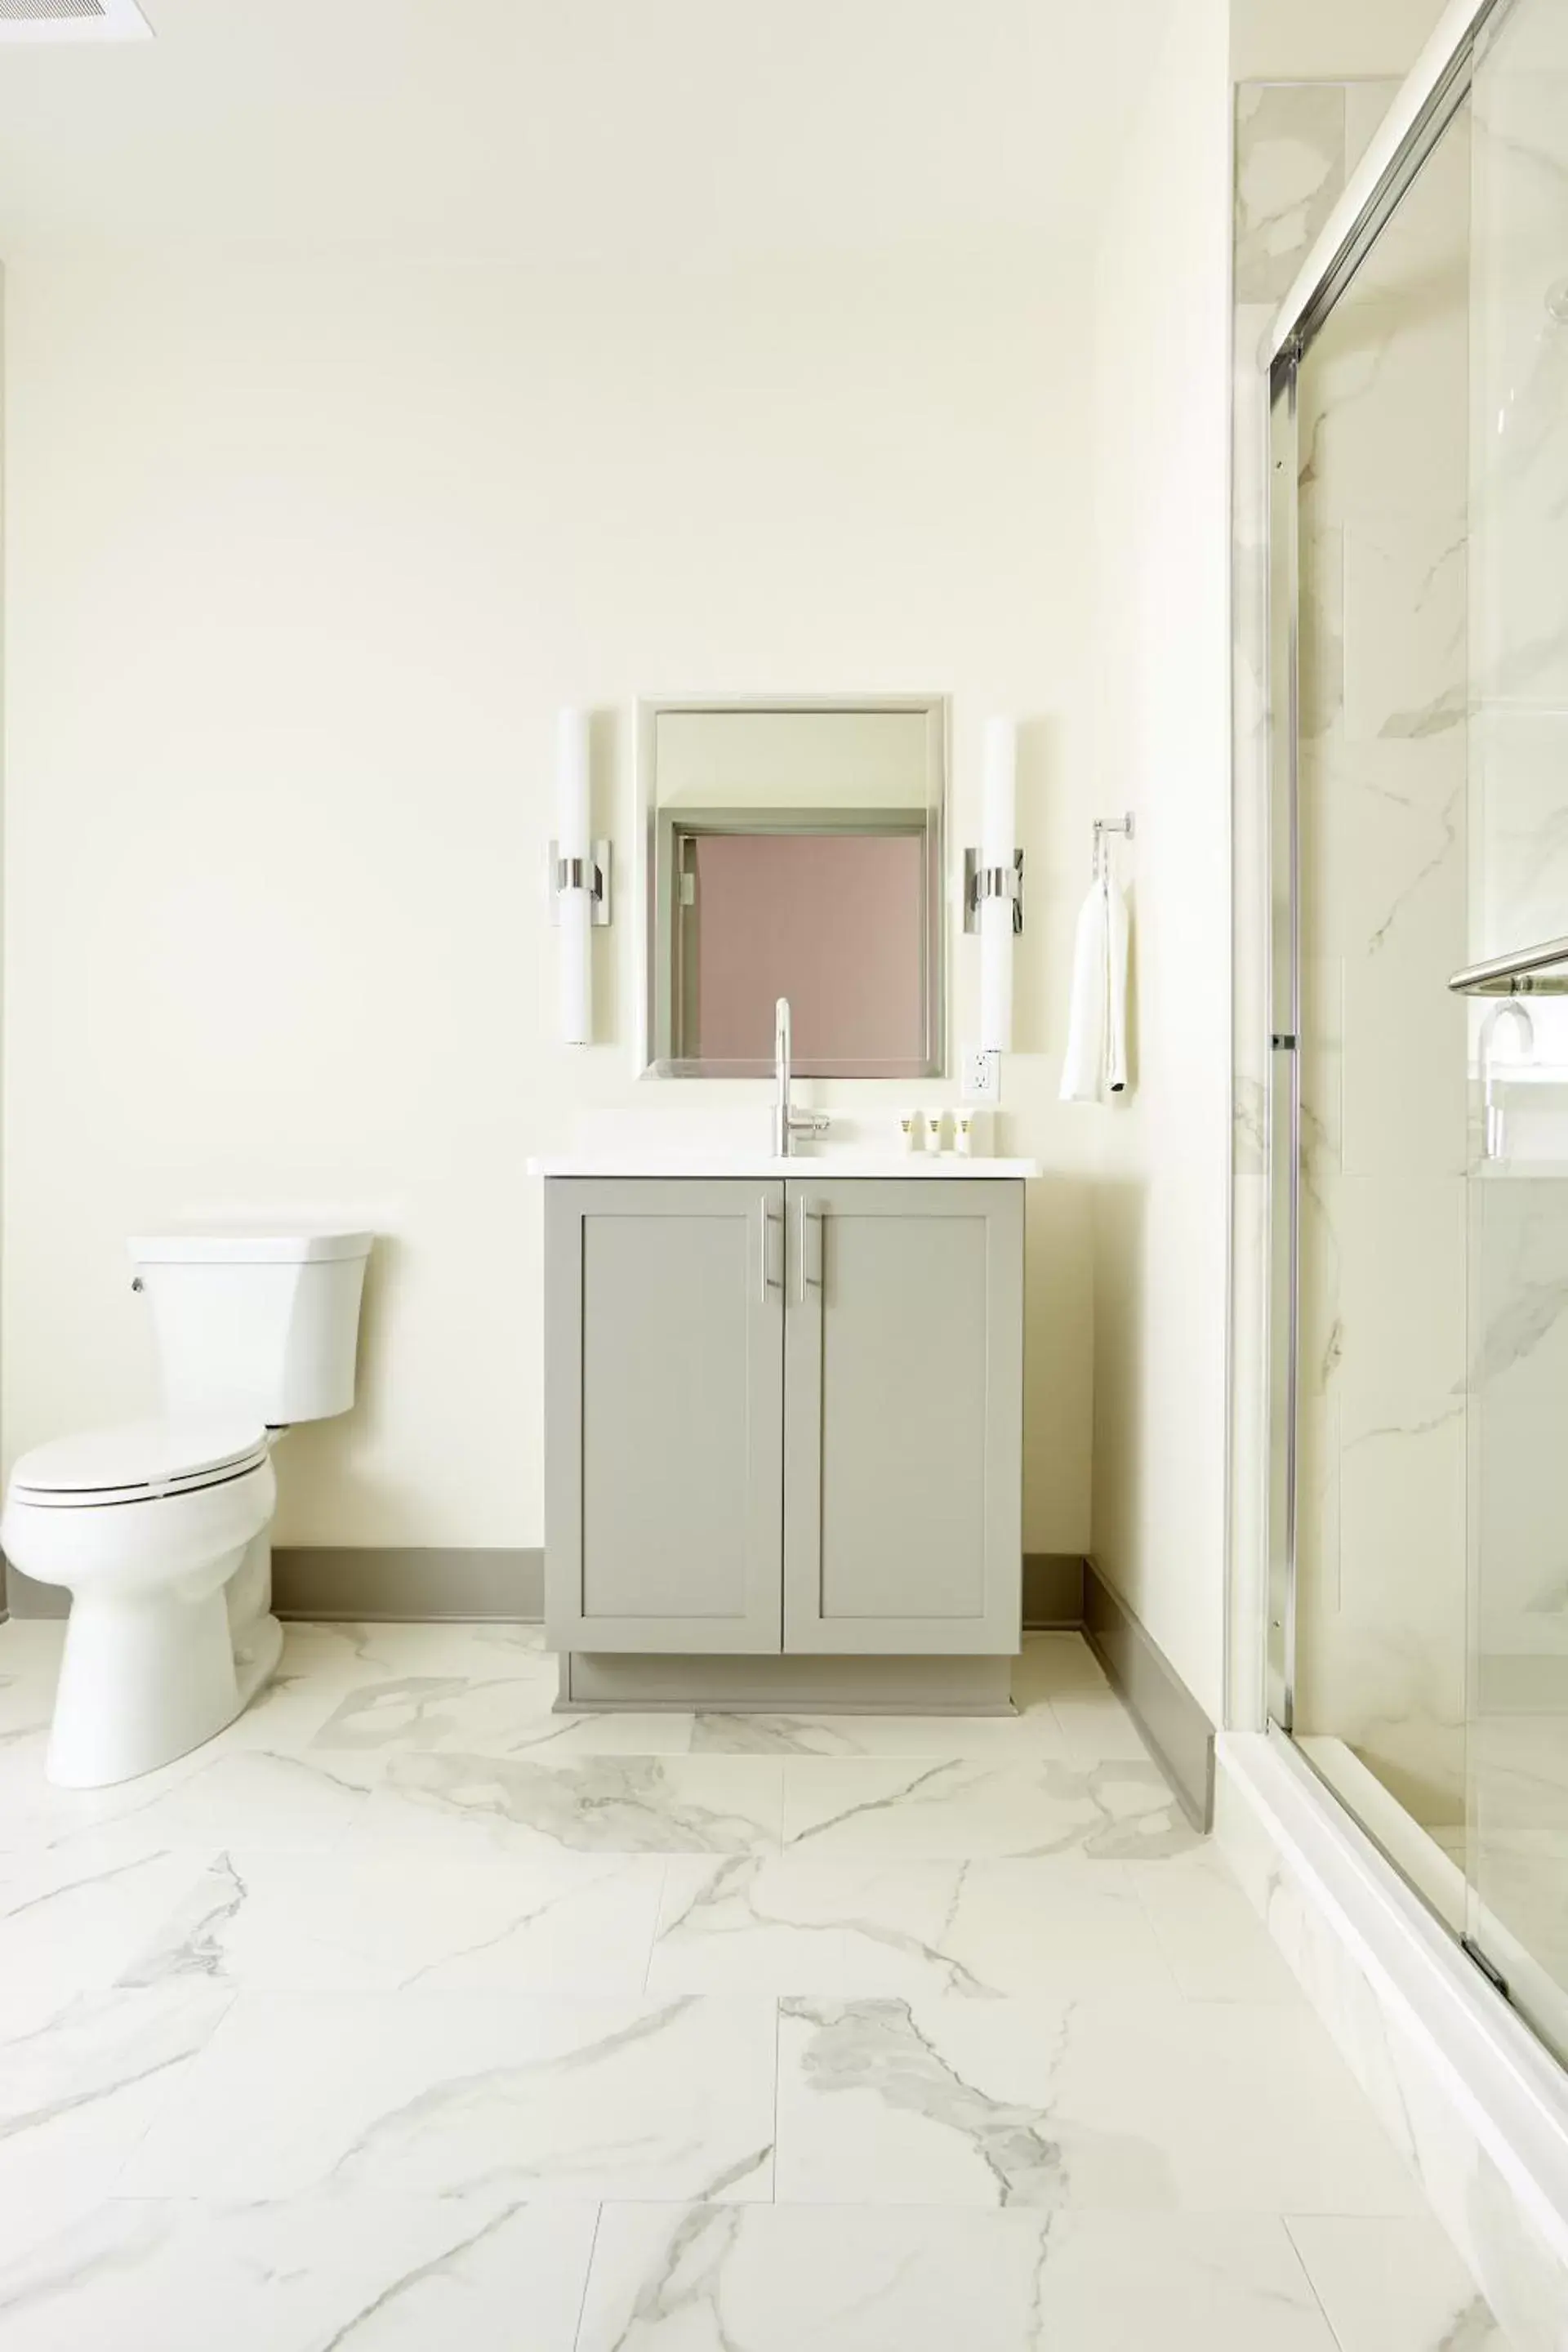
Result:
pixel 778 2037
pixel 658 1922
pixel 1130 1879
pixel 587 2275
pixel 1306 2269
pixel 181 2069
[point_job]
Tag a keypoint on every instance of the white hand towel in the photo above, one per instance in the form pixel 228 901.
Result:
pixel 1096 1061
pixel 1115 990
pixel 1086 1016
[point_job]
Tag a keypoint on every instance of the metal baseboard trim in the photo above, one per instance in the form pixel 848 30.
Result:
pixel 398 1583
pixel 25 1599
pixel 1053 1591
pixel 408 1583
pixel 1155 1694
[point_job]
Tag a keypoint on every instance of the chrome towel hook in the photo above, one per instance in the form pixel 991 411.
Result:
pixel 1102 825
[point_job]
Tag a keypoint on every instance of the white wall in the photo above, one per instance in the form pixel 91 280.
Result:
pixel 302 556
pixel 1327 40
pixel 1163 641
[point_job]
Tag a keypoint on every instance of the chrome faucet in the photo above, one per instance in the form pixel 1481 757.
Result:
pixel 787 1123
pixel 1496 1131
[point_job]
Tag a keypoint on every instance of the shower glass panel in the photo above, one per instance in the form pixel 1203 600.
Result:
pixel 1382 455
pixel 1419 1609
pixel 1516 1831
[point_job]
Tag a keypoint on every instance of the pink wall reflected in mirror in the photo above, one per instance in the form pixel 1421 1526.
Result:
pixel 835 921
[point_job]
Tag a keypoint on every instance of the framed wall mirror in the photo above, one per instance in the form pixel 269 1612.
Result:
pixel 793 847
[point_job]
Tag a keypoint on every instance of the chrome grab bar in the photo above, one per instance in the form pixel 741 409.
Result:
pixel 1532 971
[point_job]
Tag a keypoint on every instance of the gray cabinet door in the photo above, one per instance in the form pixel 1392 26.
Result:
pixel 903 1415
pixel 663 1414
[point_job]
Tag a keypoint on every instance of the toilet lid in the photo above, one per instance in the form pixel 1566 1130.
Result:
pixel 141 1458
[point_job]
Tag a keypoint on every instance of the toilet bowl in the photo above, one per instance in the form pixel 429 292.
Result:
pixel 145 1525
pixel 161 1530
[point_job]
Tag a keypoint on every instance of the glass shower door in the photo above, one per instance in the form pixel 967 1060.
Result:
pixel 1515 1853
pixel 1370 488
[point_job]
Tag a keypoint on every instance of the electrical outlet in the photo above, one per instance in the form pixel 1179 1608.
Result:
pixel 982 1075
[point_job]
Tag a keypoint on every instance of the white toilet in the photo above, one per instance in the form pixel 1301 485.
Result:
pixel 161 1530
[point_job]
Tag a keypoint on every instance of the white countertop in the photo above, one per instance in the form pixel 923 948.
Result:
pixel 803 1165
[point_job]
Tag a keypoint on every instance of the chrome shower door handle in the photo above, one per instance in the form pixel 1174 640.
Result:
pixel 770 1281
pixel 811 1221
pixel 1540 971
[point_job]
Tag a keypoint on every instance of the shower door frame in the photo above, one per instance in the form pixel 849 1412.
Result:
pixel 1426 105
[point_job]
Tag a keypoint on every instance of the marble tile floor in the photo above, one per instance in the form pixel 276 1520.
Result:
pixel 408 2013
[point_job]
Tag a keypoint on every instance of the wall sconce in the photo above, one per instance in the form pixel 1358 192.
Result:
pixel 993 886
pixel 579 879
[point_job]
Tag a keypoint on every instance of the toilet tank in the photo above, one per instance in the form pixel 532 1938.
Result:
pixel 267 1323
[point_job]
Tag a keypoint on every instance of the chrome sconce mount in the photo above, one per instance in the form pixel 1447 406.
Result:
pixel 590 874
pixel 982 882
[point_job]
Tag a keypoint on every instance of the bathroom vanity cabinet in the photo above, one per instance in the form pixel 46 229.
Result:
pixel 784 1420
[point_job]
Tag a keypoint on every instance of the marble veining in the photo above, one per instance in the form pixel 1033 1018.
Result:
pixel 1111 1811
pixel 280 1921
pixel 415 1711
pixel 501 1714
pixel 877 2048
pixel 81 2080
pixel 1033 1730
pixel 305 2275
pixel 1137 2103
pixel 775 2279
pixel 730 1904
pixel 435 2093
pixel 86 2053
pixel 1392 2286
pixel 194 1943
pixel 387 2038
pixel 981 1929
pixel 1289 167
pixel 677 1804
pixel 451 2103
pixel 67 1923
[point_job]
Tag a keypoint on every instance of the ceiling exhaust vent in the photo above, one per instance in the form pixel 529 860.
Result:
pixel 72 20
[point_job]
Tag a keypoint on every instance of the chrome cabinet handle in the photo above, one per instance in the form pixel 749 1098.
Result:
pixel 770 1281
pixel 810 1216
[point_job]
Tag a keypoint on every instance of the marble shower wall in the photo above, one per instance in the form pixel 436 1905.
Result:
pixel 1380 1620
pixel 1519 860
pixel 1519 574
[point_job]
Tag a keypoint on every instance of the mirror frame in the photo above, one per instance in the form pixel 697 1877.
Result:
pixel 655 943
